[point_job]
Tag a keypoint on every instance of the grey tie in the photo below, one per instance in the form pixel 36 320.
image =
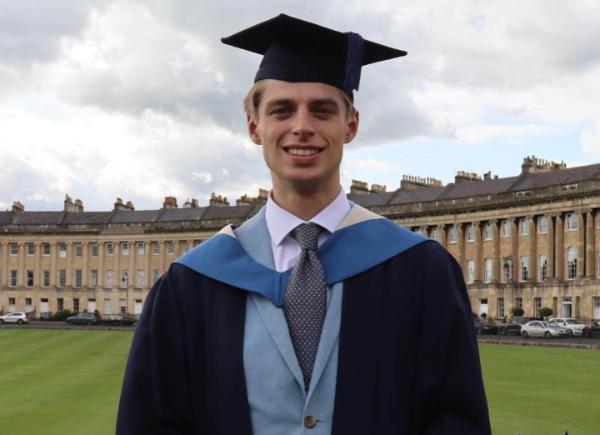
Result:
pixel 305 300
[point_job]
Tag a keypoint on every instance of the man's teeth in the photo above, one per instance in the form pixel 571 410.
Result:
pixel 302 151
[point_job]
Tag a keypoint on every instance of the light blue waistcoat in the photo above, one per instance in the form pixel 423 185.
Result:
pixel 276 395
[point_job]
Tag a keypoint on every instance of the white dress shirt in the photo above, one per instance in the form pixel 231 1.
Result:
pixel 280 223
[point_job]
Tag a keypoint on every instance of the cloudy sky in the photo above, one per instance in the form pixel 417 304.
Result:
pixel 139 99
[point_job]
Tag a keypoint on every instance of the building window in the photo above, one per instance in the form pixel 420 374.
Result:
pixel 60 304
pixel 28 305
pixel 78 250
pixel 124 248
pixel 140 277
pixel 506 269
pixel 124 278
pixel 571 262
pixel 505 228
pixel 185 245
pixel 14 249
pixel 488 265
pixel 595 307
pixel 123 306
pixel 11 304
pixel 62 278
pixel 30 249
pixel 107 306
pixel 500 308
pixel 78 278
pixel 524 268
pixel 94 250
pixel 62 250
pixel 470 233
pixel 75 305
pixel 543 224
pixel 487 231
pixel 519 303
pixel 170 247
pixel 110 249
pixel 94 278
pixel 155 248
pixel 140 248
pixel 542 268
pixel 523 227
pixel 155 276
pixel 435 234
pixel 46 250
pixel 30 278
pixel 537 306
pixel 452 234
pixel 46 278
pixel 571 221
pixel 470 271
pixel 13 278
pixel 110 278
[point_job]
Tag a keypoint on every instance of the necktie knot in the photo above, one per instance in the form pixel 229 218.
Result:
pixel 307 236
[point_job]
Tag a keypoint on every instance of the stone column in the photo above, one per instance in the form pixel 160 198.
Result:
pixel 532 248
pixel 551 225
pixel 148 266
pixel 460 239
pixel 85 272
pixel 101 271
pixel 496 266
pixel 69 270
pixel 514 251
pixel 590 245
pixel 4 256
pixel 37 274
pixel 478 252
pixel 161 255
pixel 581 257
pixel 132 269
pixel 21 265
pixel 559 265
pixel 53 267
pixel 443 235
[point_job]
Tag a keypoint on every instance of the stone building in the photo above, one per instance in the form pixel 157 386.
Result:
pixel 530 241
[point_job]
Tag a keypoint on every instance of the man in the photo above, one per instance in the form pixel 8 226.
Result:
pixel 316 316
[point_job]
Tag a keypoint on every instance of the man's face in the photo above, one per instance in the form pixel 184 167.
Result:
pixel 303 128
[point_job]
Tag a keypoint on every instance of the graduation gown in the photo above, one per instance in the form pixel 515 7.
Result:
pixel 408 361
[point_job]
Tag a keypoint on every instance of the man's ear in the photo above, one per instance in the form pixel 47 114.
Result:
pixel 253 130
pixel 352 130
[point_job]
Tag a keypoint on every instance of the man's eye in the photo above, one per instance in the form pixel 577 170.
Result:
pixel 324 111
pixel 280 111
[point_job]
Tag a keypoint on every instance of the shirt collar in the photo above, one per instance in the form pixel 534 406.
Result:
pixel 280 222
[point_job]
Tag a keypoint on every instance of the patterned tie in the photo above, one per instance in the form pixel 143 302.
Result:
pixel 305 300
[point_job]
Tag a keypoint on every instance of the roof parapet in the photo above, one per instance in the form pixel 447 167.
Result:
pixel 411 182
pixel 533 165
pixel 359 187
pixel 218 200
pixel 466 176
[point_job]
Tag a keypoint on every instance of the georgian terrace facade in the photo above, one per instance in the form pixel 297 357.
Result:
pixel 532 241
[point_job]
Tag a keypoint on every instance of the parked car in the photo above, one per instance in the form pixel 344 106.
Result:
pixel 593 331
pixel 511 328
pixel 16 317
pixel 83 319
pixel 483 327
pixel 571 324
pixel 539 328
pixel 118 319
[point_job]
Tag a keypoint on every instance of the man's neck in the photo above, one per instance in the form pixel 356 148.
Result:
pixel 304 204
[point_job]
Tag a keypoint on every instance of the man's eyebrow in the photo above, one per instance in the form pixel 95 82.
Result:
pixel 325 101
pixel 278 102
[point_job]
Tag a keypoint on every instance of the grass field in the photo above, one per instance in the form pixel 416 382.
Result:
pixel 67 382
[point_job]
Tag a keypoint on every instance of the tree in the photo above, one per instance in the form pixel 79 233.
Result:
pixel 546 311
pixel 517 311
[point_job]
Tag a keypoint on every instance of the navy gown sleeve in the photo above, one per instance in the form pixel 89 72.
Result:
pixel 155 395
pixel 450 385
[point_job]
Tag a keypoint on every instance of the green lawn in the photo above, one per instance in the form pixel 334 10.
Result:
pixel 542 391
pixel 67 382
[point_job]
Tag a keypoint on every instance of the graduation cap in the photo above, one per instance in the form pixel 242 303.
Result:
pixel 299 51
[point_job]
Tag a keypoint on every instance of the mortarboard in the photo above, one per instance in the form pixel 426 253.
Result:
pixel 299 51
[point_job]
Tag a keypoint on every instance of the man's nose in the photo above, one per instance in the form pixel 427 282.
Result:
pixel 303 125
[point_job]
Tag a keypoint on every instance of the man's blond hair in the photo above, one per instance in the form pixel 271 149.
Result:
pixel 254 97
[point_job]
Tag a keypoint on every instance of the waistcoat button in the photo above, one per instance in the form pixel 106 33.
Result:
pixel 310 421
